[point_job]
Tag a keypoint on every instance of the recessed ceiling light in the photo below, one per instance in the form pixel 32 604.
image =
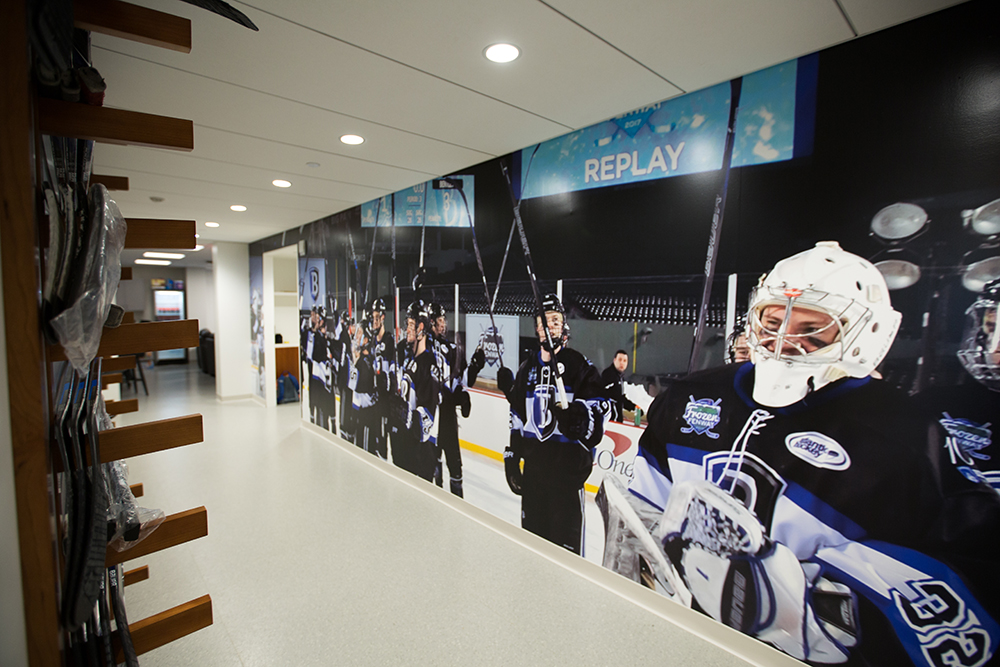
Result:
pixel 157 200
pixel 238 207
pixel 197 248
pixel 153 262
pixel 312 165
pixel 211 224
pixel 164 255
pixel 502 53
pixel 278 183
pixel 352 139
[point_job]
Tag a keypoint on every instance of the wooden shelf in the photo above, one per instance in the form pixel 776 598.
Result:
pixel 117 364
pixel 140 338
pixel 109 379
pixel 136 575
pixel 122 407
pixel 136 489
pixel 167 626
pixel 153 233
pixel 117 183
pixel 114 126
pixel 128 441
pixel 121 19
pixel 175 529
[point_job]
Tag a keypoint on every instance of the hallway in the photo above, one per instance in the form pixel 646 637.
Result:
pixel 319 554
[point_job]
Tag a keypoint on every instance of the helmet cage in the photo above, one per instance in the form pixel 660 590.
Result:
pixel 847 316
pixel 980 349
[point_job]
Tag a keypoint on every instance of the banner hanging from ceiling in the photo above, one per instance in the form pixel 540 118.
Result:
pixel 683 135
pixel 440 200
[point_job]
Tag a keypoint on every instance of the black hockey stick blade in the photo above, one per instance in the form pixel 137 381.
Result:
pixel 224 9
pixel 121 620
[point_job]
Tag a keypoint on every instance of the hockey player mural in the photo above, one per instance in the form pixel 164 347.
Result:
pixel 792 493
pixel 796 498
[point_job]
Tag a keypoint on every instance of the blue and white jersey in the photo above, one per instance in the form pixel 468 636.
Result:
pixel 847 481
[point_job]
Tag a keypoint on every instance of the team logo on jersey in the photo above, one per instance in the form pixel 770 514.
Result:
pixel 702 416
pixel 966 439
pixel 820 450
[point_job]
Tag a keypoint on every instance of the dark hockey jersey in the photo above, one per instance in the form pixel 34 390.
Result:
pixel 362 382
pixel 966 416
pixel 535 434
pixel 420 387
pixel 846 480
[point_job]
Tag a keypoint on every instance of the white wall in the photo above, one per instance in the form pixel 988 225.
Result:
pixel 200 287
pixel 233 374
pixel 13 637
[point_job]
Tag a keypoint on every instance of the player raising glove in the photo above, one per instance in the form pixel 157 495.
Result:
pixel 740 577
pixel 577 422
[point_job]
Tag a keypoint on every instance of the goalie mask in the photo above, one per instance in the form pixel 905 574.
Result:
pixel 818 316
pixel 555 318
pixel 980 349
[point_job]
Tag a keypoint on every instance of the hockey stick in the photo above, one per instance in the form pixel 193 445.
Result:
pixel 418 280
pixel 456 184
pixel 121 620
pixel 560 386
pixel 736 86
pixel 503 264
pixel 371 257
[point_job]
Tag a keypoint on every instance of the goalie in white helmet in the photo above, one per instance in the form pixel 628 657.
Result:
pixel 795 497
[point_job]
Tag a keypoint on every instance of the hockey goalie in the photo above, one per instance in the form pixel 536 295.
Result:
pixel 795 498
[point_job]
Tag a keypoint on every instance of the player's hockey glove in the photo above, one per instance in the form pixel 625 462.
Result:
pixel 577 422
pixel 464 402
pixel 740 577
pixel 476 364
pixel 512 469
pixel 398 411
pixel 505 381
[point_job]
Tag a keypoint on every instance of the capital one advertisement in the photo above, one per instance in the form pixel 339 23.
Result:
pixel 785 290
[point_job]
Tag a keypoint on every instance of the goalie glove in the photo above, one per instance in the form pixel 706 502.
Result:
pixel 742 578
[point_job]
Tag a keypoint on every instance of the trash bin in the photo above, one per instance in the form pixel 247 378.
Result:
pixel 206 351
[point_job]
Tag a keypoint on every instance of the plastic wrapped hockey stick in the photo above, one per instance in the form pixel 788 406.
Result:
pixel 560 386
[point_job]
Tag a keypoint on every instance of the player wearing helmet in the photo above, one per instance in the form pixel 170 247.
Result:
pixel 414 411
pixel 556 445
pixel 795 497
pixel 316 354
pixel 382 350
pixel 364 392
pixel 967 414
pixel 345 339
pixel 453 396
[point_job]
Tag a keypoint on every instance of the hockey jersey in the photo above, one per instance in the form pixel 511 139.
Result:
pixel 965 416
pixel 846 480
pixel 535 434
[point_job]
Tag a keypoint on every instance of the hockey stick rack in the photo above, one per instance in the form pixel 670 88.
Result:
pixel 24 119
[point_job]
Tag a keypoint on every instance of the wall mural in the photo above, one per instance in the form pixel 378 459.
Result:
pixel 766 369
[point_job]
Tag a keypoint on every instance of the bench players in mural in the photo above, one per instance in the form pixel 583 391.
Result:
pixel 796 497
pixel 383 351
pixel 453 396
pixel 316 353
pixel 555 445
pixel 967 415
pixel 414 409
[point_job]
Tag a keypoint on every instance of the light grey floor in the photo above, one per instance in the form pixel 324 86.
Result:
pixel 318 554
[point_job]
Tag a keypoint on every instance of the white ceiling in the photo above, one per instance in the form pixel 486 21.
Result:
pixel 410 77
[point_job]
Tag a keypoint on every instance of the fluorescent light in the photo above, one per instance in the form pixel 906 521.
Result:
pixel 502 53
pixel 238 207
pixel 211 224
pixel 352 139
pixel 153 262
pixel 278 183
pixel 164 255
pixel 197 248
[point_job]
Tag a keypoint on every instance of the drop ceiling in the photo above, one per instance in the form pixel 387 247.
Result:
pixel 410 77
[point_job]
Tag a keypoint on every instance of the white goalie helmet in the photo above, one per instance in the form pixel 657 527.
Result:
pixel 818 316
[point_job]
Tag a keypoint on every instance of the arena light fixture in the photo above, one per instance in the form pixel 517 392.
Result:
pixel 501 53
pixel 899 222
pixel 154 262
pixel 352 139
pixel 163 255
pixel 211 224
pixel 979 274
pixel 984 220
pixel 239 208
pixel 279 183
